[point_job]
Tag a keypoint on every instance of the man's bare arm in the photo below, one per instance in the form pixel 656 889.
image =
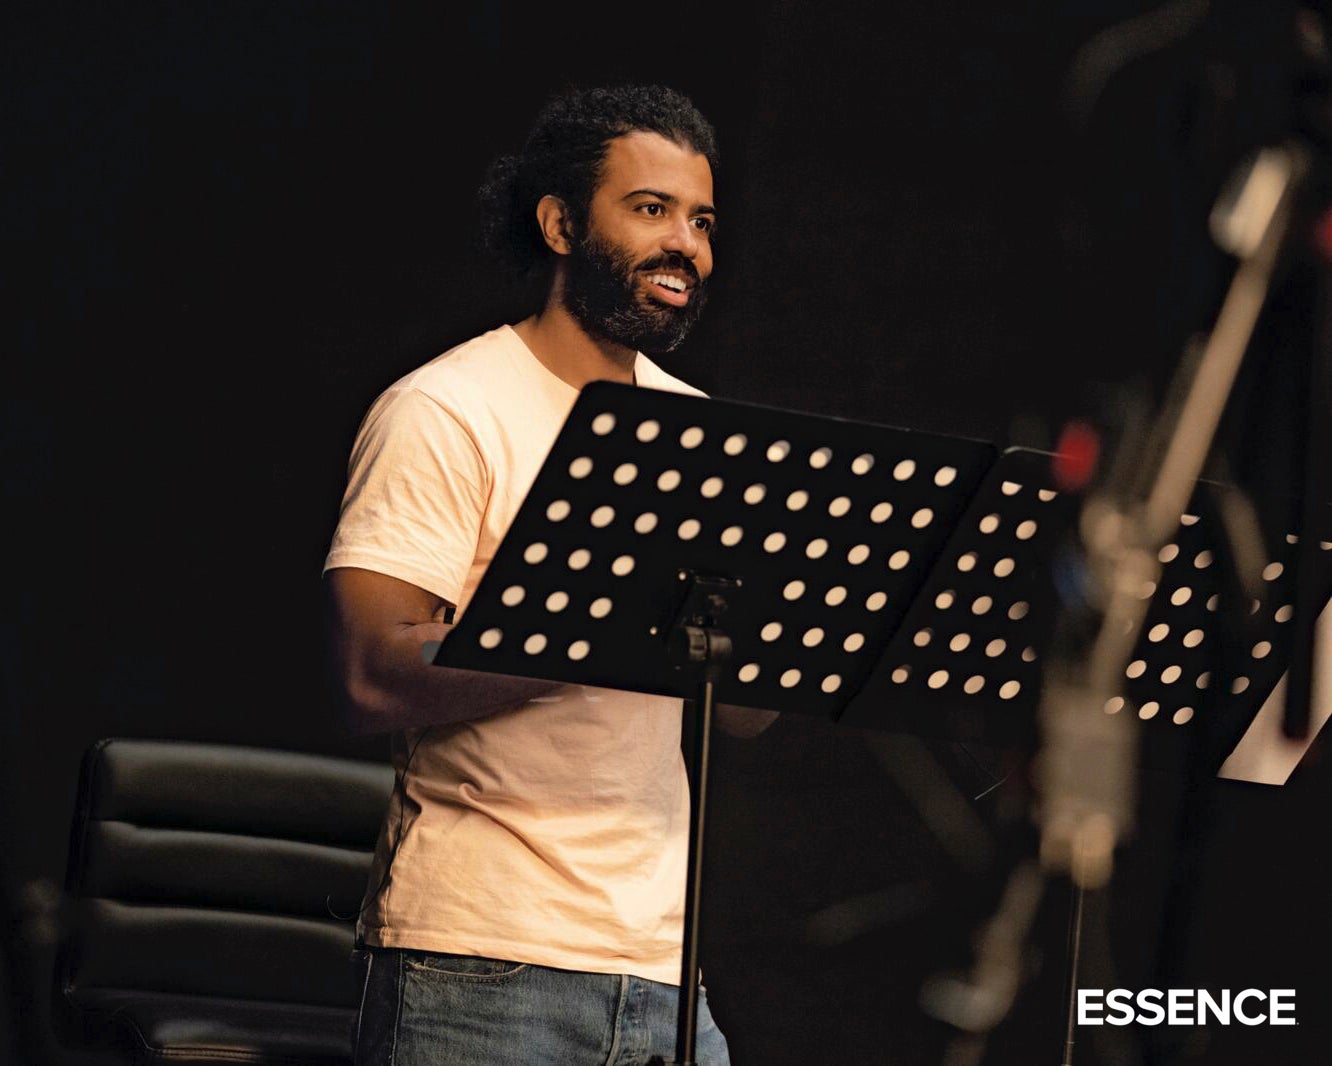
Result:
pixel 377 627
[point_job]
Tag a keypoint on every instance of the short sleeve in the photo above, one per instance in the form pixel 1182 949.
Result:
pixel 416 496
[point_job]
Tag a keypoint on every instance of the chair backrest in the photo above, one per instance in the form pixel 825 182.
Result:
pixel 214 891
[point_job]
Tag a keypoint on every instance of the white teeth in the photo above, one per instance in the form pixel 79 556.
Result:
pixel 665 280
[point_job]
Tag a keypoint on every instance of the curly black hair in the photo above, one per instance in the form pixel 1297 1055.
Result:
pixel 563 157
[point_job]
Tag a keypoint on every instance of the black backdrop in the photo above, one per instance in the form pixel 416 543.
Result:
pixel 230 225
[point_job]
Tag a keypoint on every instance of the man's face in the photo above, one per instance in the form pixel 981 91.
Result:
pixel 637 277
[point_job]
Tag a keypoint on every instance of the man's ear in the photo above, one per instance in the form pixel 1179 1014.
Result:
pixel 556 227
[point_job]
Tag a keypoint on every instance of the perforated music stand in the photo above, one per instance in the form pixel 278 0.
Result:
pixel 714 550
pixel 707 549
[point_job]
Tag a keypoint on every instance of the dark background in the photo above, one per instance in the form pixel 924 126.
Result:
pixel 231 225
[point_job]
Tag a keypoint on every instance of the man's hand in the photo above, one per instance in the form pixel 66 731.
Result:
pixel 377 627
pixel 742 722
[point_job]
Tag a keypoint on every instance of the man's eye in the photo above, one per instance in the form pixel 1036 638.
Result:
pixel 653 209
pixel 704 224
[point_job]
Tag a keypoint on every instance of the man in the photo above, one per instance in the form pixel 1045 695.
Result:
pixel 526 900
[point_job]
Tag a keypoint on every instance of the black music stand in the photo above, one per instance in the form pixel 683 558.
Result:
pixel 715 551
pixel 719 551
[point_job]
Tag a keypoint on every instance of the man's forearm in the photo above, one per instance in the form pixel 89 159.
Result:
pixel 403 690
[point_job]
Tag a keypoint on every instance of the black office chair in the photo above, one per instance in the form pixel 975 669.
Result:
pixel 213 892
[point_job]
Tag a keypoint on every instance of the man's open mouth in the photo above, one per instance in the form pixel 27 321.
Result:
pixel 669 288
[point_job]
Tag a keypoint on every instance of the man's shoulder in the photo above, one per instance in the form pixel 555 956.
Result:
pixel 469 369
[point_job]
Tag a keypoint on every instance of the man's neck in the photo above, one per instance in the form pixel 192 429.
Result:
pixel 569 352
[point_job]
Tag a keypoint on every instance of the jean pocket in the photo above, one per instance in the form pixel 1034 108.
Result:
pixel 462 967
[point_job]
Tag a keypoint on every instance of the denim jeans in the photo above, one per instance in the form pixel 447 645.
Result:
pixel 420 1008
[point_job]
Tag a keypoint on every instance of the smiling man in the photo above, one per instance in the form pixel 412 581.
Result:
pixel 526 900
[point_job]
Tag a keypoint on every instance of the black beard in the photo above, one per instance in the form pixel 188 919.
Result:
pixel 601 293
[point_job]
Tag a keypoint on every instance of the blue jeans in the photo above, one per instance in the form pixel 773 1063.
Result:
pixel 420 1008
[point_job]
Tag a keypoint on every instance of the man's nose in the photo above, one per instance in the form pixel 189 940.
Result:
pixel 682 238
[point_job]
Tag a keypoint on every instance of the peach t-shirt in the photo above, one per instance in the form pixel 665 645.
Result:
pixel 553 833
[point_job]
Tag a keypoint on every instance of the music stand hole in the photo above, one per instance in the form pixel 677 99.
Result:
pixel 774 542
pixel 711 488
pixel 981 605
pixel 558 510
pixel 967 562
pixel 938 679
pixel 771 631
pixel 1202 560
pixel 1181 595
pixel 831 683
pixel 1009 689
pixel 689 529
pixel 731 536
pixel 790 678
pixel 1284 613
pixel 754 494
pixel 1183 715
pixel 735 444
pixel 1171 674
pixel 512 596
pixel 580 467
pixel 853 642
pixel 647 431
pixel 1025 530
pixel 1010 488
pixel 534 553
pixel 989 523
pixel 1018 610
pixel 903 470
pixel 797 500
pixel 490 638
pixel 835 596
pixel 922 518
pixel 1193 638
pixel 557 601
pixel 1004 567
pixel 793 590
pixel 623 566
pixel 858 554
pixel 1149 710
pixel 876 601
pixel 923 637
pixel 748 672
pixel 645 523
pixel 862 464
pixel 840 506
pixel 1168 553
pixel 668 480
pixel 535 644
pixel 1239 685
pixel 578 650
pixel 995 648
pixel 816 548
pixel 778 450
pixel 945 599
pixel 945 476
pixel 603 423
pixel 602 516
pixel 813 637
pixel 1114 705
pixel 960 642
pixel 1136 668
pixel 1158 633
pixel 1272 571
pixel 1262 649
pixel 624 474
pixel 973 684
pixel 899 559
pixel 579 558
pixel 691 437
pixel 901 674
pixel 600 607
pixel 820 457
pixel 881 512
